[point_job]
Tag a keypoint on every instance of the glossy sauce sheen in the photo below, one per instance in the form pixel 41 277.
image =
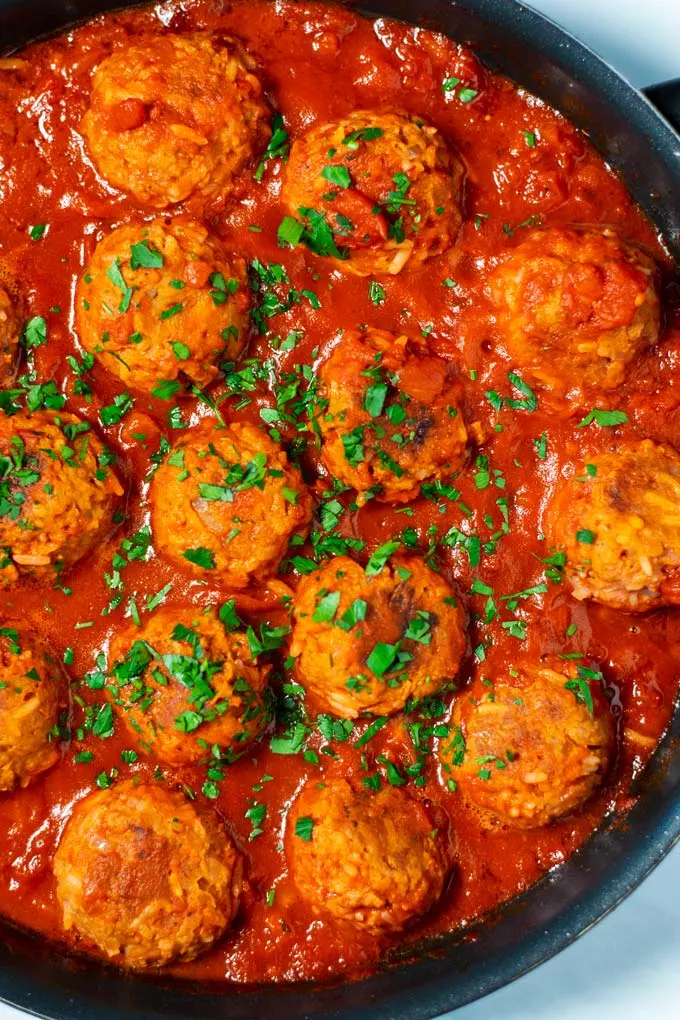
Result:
pixel 320 63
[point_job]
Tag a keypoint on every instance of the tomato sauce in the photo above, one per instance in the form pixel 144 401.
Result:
pixel 318 63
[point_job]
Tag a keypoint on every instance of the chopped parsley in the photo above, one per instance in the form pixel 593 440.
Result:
pixel 605 419
pixel 337 175
pixel 314 231
pixel 116 277
pixel 143 256
pixel 278 147
pixel 115 412
pixel 303 828
pixel 35 332
pixel 381 556
pixel 376 292
pixel 201 557
pixel 367 134
pixel 580 686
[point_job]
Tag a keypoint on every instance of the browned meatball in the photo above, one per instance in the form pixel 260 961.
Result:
pixel 393 417
pixel 174 115
pixel 386 185
pixel 618 519
pixel 10 328
pixel 372 859
pixel 32 691
pixel 575 307
pixel 162 299
pixel 189 689
pixel 145 876
pixel 369 642
pixel 226 502
pixel 532 748
pixel 57 492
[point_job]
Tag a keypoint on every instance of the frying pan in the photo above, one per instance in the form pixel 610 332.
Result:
pixel 450 970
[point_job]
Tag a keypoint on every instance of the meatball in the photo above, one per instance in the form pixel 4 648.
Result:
pixel 172 115
pixel 369 642
pixel 531 749
pixel 162 299
pixel 618 519
pixel 10 328
pixel 189 689
pixel 575 307
pixel 385 183
pixel 393 418
pixel 145 876
pixel 372 859
pixel 57 493
pixel 32 691
pixel 226 502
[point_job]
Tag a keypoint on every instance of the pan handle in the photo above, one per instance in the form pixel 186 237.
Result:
pixel 666 98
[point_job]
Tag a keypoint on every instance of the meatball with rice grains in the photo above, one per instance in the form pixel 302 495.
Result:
pixel 33 690
pixel 58 491
pixel 162 300
pixel 225 503
pixel 530 749
pixel 171 116
pixel 391 415
pixel 188 688
pixel 10 329
pixel 368 641
pixel 575 307
pixel 383 184
pixel 145 876
pixel 618 522
pixel 373 860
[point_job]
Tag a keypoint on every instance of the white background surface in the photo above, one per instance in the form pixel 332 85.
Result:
pixel 628 968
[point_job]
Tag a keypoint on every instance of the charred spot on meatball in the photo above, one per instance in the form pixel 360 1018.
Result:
pixel 533 748
pixel 617 524
pixel 421 429
pixel 162 300
pixel 226 502
pixel 370 859
pixel 390 415
pixel 366 643
pixel 171 116
pixel 189 689
pixel 32 693
pixel 375 190
pixel 146 877
pixel 58 492
pixel 575 307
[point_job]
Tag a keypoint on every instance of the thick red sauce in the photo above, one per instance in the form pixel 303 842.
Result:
pixel 322 62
